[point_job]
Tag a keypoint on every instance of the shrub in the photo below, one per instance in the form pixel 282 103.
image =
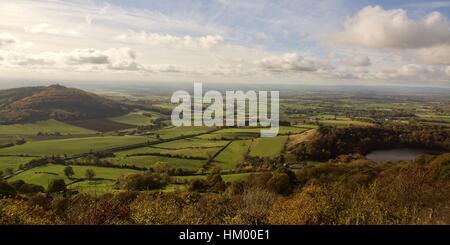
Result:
pixel 90 174
pixel 56 185
pixel 140 182
pixel 255 206
pixel 25 188
pixel 213 183
pixel 68 171
pixel 6 190
pixel 441 166
pixel 280 183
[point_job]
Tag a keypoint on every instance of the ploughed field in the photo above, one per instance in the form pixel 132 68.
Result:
pixel 144 140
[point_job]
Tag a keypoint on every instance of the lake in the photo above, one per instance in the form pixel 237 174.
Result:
pixel 398 154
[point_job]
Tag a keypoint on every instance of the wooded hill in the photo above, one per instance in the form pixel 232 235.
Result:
pixel 30 104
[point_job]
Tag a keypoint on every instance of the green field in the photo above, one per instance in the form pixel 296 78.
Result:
pixel 303 113
pixel 233 154
pixel 13 162
pixel 325 117
pixel 225 177
pixel 150 161
pixel 173 132
pixel 433 119
pixel 248 133
pixel 267 147
pixel 135 118
pixel 49 126
pixel 44 174
pixel 305 126
pixel 233 133
pixel 292 130
pixel 73 146
pixel 8 139
pixel 189 152
pixel 346 122
pixel 94 187
pixel 191 143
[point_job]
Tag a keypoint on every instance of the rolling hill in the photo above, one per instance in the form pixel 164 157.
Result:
pixel 31 104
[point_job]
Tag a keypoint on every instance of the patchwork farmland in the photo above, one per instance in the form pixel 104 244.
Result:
pixel 143 140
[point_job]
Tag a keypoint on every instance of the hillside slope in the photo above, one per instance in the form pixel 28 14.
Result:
pixel 24 105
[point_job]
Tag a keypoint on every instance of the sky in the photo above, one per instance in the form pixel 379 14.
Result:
pixel 255 41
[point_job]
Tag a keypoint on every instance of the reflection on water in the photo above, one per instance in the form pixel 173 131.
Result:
pixel 398 154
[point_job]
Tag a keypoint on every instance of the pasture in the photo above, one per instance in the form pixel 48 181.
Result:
pixel 182 152
pixel 234 154
pixel 13 162
pixel 346 122
pixel 49 126
pixel 73 146
pixel 136 118
pixel 94 187
pixel 267 147
pixel 149 161
pixel 225 177
pixel 44 174
pixel 232 133
pixel 191 143
pixel 174 132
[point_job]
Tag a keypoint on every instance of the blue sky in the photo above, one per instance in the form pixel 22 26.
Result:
pixel 303 41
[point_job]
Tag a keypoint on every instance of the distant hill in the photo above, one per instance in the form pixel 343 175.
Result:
pixel 30 104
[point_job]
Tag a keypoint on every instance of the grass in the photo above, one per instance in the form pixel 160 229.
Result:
pixel 73 146
pixel 191 143
pixel 268 147
pixel 435 118
pixel 233 133
pixel 346 122
pixel 437 124
pixel 326 117
pixel 13 162
pixel 225 177
pixel 44 174
pixel 291 130
pixel 7 139
pixel 248 133
pixel 174 187
pixel 233 154
pixel 173 132
pixel 150 161
pixel 189 152
pixel 134 118
pixel 49 126
pixel 94 187
pixel 306 126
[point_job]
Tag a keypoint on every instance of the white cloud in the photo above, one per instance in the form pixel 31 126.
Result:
pixel 290 62
pixel 7 39
pixel 14 59
pixel 173 41
pixel 210 41
pixel 358 60
pixel 375 27
pixel 114 59
pixel 190 45
pixel 434 55
pixel 45 28
pixel 411 70
pixel 170 68
pixel 86 56
pixel 415 72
